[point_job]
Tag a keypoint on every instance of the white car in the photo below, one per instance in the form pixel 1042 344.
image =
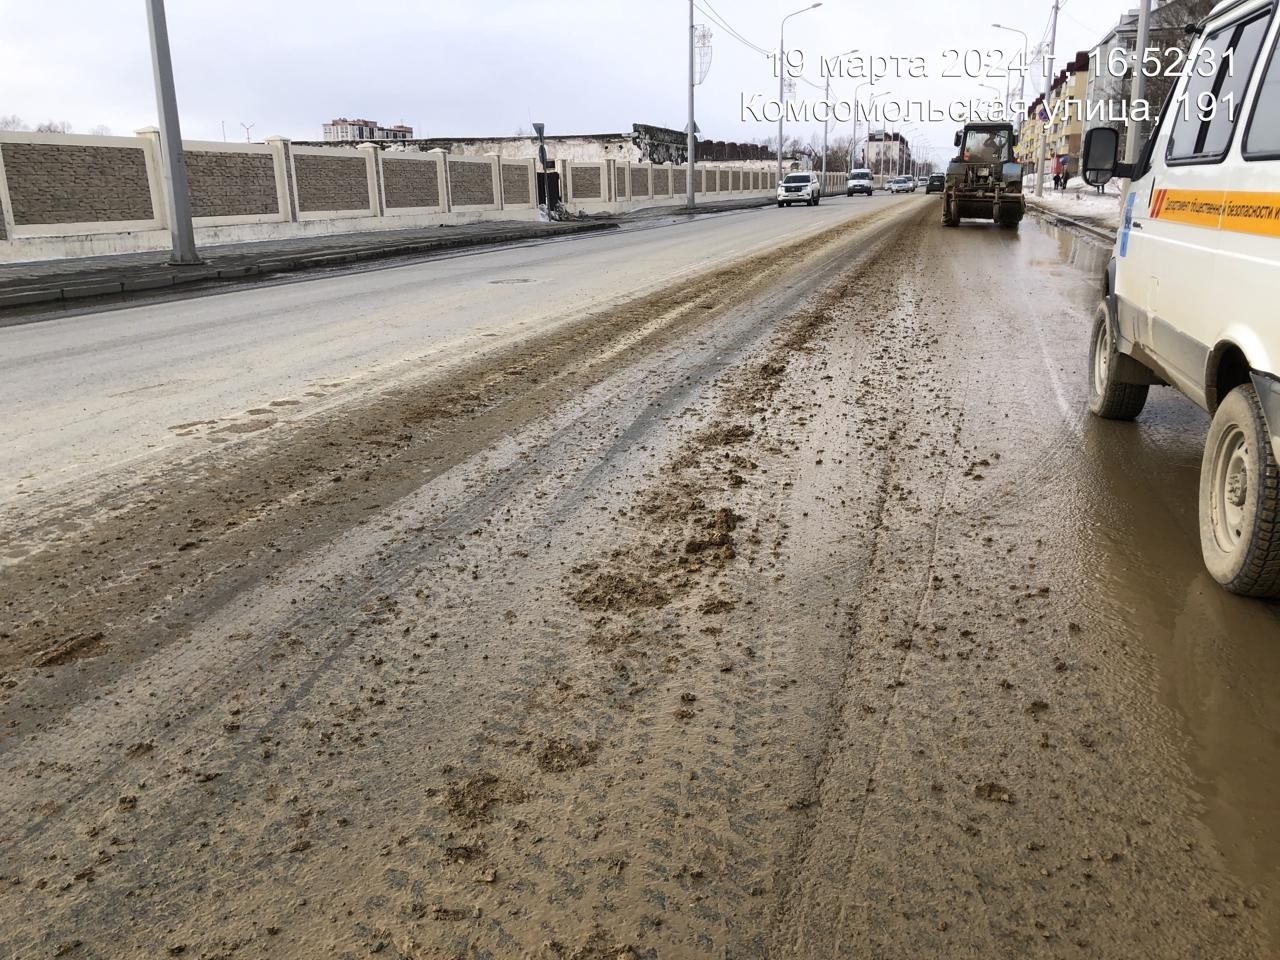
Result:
pixel 799 188
pixel 1191 288
pixel 902 185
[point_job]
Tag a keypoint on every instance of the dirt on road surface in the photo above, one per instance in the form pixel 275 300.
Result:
pixel 795 611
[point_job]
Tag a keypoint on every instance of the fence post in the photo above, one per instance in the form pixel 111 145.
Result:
pixel 442 178
pixel 286 192
pixel 373 167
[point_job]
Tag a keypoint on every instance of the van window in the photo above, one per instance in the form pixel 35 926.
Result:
pixel 1262 138
pixel 1205 117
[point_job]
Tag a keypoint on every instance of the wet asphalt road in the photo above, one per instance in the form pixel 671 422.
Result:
pixel 797 609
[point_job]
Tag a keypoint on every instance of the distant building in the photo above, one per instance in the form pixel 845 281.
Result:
pixel 644 143
pixel 344 129
pixel 888 154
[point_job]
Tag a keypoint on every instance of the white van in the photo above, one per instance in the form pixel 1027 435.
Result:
pixel 859 181
pixel 1192 296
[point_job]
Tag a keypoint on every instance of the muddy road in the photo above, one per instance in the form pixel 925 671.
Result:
pixel 791 609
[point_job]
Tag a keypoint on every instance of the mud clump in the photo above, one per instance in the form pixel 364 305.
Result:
pixel 726 434
pixel 472 800
pixel 621 591
pixel 559 755
pixel 597 946
pixel 69 648
pixel 993 791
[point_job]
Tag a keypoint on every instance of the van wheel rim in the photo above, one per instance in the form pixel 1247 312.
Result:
pixel 1230 488
pixel 1101 358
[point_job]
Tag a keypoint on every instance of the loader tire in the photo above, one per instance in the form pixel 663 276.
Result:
pixel 950 211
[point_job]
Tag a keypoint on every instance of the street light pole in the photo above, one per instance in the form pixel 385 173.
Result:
pixel 782 73
pixel 692 144
pixel 1022 83
pixel 827 116
pixel 853 147
pixel 1048 89
pixel 174 168
pixel 1138 87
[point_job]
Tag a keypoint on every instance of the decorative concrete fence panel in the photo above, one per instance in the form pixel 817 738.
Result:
pixel 413 182
pixel 725 180
pixel 473 183
pixel 621 180
pixel 735 183
pixel 236 183
pixel 335 182
pixel 61 184
pixel 680 182
pixel 519 184
pixel 662 181
pixel 639 181
pixel 587 181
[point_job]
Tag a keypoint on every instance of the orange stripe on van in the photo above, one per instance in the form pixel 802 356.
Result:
pixel 1238 211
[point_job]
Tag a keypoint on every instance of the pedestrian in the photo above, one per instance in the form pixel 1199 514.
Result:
pixel 1057 180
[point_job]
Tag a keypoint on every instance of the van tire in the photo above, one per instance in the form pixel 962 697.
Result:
pixel 1240 499
pixel 1109 398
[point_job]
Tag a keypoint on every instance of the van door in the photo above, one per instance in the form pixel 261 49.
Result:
pixel 1187 194
pixel 1250 261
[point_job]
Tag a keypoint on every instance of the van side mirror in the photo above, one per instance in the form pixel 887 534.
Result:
pixel 1013 142
pixel 1100 155
pixel 957 138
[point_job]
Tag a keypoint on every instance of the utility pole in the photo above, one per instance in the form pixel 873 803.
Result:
pixel 693 144
pixel 1048 89
pixel 174 168
pixel 1138 86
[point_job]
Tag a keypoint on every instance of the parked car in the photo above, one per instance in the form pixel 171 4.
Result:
pixel 923 182
pixel 859 181
pixel 1189 293
pixel 902 185
pixel 799 188
pixel 936 183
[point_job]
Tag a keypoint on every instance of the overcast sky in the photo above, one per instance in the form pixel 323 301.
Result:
pixel 481 67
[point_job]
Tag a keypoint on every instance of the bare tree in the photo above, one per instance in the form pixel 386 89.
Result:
pixel 101 130
pixel 54 126
pixel 11 122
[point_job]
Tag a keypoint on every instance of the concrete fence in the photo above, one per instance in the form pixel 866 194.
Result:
pixel 615 186
pixel 67 196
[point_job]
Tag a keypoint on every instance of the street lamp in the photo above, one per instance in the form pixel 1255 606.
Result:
pixel 782 73
pixel 995 90
pixel 827 116
pixel 1022 84
pixel 853 147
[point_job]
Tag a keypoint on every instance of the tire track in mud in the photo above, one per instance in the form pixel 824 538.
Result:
pixel 212 753
pixel 218 526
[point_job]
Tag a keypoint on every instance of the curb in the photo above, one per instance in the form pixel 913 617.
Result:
pixel 70 288
pixel 1108 236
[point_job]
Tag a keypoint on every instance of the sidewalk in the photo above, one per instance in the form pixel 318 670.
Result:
pixel 1080 206
pixel 48 281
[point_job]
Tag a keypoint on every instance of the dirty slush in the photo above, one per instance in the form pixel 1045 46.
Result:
pixel 721 623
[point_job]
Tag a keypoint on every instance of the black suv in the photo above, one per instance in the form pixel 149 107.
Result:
pixel 937 182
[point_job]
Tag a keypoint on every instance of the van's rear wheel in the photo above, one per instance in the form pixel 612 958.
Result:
pixel 1240 499
pixel 1108 398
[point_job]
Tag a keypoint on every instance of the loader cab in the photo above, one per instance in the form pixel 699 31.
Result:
pixel 986 143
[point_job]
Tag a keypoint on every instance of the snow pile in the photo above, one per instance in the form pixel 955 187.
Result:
pixel 1079 201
